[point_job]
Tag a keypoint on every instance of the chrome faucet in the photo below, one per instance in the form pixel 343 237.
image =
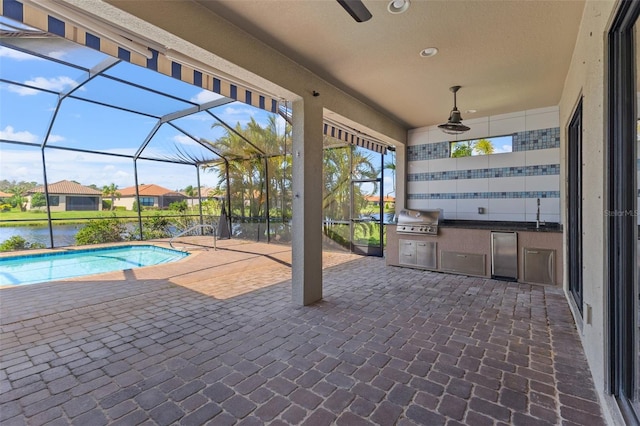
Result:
pixel 538 221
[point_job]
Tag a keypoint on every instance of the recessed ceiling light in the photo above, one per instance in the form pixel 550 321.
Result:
pixel 428 52
pixel 471 111
pixel 398 6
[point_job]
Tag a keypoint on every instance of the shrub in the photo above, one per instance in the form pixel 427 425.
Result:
pixel 179 206
pixel 5 207
pixel 38 200
pixel 96 231
pixel 106 204
pixel 153 227
pixel 18 243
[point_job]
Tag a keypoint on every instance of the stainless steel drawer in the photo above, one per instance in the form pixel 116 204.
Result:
pixel 407 252
pixel 421 254
pixel 463 263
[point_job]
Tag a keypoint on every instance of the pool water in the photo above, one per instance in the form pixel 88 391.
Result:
pixel 20 270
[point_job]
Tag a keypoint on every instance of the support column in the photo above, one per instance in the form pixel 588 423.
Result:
pixel 307 202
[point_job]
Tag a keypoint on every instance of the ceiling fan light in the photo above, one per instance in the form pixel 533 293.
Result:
pixel 398 6
pixel 454 128
pixel 454 125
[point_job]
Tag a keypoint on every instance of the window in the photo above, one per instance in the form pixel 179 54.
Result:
pixel 147 201
pixel 54 200
pixel 483 146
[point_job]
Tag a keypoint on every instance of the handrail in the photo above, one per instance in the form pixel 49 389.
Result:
pixel 214 228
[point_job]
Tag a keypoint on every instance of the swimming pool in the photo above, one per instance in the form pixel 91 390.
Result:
pixel 30 269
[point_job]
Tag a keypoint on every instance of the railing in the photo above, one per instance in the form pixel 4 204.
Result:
pixel 214 229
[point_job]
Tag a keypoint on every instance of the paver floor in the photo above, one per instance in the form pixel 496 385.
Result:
pixel 214 339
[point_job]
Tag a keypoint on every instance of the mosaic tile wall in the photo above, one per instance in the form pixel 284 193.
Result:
pixel 485 195
pixel 536 139
pixel 498 172
pixel 515 186
pixel 430 151
pixel 522 141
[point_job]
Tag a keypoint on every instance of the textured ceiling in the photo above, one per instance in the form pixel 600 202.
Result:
pixel 507 55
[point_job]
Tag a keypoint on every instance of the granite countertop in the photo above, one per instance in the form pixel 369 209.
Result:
pixel 501 225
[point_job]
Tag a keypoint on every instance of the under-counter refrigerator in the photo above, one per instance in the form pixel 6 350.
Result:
pixel 504 255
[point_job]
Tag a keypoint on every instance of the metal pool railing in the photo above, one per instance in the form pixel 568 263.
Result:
pixel 214 229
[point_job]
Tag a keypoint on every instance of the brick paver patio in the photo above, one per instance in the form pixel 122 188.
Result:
pixel 215 340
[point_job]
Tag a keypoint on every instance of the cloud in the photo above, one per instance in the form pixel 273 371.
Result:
pixel 16 55
pixel 502 149
pixel 184 140
pixel 238 111
pixel 22 91
pixel 58 54
pixel 232 115
pixel 55 138
pixel 205 96
pixel 56 84
pixel 10 134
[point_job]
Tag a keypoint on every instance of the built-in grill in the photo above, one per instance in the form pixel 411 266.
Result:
pixel 419 221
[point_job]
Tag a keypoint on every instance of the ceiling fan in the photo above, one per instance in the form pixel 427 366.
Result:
pixel 356 9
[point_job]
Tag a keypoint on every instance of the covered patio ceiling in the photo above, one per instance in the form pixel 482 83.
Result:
pixel 507 55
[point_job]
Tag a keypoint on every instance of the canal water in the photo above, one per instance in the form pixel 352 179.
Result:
pixel 64 235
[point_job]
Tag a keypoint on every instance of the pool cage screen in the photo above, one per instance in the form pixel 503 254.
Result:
pixel 87 137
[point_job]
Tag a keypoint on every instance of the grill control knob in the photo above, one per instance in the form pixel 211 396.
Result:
pixel 428 229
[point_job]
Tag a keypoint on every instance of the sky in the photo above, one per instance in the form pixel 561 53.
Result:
pixel 26 114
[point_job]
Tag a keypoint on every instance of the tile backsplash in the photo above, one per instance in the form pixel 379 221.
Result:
pixel 507 185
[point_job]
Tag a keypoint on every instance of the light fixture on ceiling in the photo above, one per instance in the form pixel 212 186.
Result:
pixel 398 6
pixel 429 52
pixel 454 125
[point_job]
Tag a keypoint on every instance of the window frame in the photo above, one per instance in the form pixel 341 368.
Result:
pixel 622 229
pixel 490 138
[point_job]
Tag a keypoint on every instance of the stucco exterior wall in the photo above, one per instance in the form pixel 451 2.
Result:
pixel 587 79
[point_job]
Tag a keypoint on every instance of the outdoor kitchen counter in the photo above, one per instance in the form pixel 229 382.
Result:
pixel 501 226
pixel 470 238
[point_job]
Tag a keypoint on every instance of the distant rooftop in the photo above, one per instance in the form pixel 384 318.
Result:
pixel 67 187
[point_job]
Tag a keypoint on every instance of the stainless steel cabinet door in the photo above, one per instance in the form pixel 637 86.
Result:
pixel 504 255
pixel 426 254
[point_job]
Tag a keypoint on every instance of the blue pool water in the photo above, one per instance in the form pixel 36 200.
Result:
pixel 19 270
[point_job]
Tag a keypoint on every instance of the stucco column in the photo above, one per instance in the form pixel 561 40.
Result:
pixel 307 202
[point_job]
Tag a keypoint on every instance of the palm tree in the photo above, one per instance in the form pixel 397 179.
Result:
pixel 483 147
pixel 251 149
pixel 191 192
pixel 112 192
pixel 340 165
pixel 19 192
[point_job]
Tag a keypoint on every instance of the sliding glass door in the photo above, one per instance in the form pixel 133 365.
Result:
pixel 622 211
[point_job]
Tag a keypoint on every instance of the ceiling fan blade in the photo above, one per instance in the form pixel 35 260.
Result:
pixel 356 9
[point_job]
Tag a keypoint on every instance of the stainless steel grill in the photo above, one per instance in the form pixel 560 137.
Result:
pixel 419 221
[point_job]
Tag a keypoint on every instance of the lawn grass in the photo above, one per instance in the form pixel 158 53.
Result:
pixel 39 218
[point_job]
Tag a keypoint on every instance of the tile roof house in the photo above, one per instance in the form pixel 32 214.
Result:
pixel 151 195
pixel 66 195
pixel 206 193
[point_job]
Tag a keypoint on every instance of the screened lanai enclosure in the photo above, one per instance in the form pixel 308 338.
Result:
pixel 102 144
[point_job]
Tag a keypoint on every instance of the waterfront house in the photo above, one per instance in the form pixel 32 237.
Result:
pixel 151 195
pixel 67 195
